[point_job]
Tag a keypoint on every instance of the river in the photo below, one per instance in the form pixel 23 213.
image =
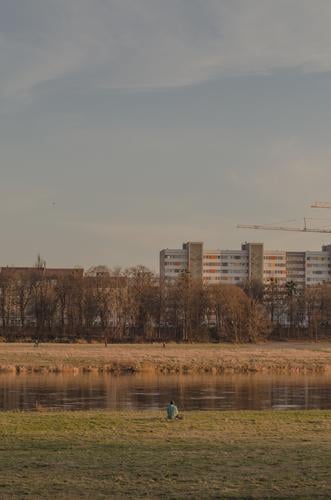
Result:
pixel 141 392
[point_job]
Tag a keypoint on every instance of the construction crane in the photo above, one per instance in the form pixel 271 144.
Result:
pixel 304 229
pixel 321 204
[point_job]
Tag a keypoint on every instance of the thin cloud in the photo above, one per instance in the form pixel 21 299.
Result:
pixel 142 43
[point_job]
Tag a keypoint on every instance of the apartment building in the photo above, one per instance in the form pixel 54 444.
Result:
pixel 251 262
pixel 234 266
pixel 225 266
pixel 173 262
pixel 296 267
pixel 318 267
pixel 213 266
pixel 274 266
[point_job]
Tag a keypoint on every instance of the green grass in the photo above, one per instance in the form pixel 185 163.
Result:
pixel 141 455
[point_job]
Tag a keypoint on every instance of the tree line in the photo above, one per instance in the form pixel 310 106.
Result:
pixel 133 305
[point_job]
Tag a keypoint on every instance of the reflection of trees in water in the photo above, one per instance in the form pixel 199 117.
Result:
pixel 85 391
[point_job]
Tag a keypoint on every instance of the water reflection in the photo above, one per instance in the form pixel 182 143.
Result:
pixel 191 392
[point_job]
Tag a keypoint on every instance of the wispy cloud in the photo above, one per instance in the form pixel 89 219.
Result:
pixel 153 43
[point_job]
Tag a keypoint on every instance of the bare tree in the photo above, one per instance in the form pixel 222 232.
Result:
pixel 143 297
pixel 313 301
pixel 23 294
pixel 44 302
pixel 6 299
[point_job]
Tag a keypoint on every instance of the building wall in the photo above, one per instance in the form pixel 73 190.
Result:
pixel 274 266
pixel 255 261
pixel 194 258
pixel 252 262
pixel 172 263
pixel 318 267
pixel 234 266
pixel 296 267
pixel 212 267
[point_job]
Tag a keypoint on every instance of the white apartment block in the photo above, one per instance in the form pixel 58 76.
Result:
pixel 173 262
pixel 252 262
pixel 274 266
pixel 217 266
pixel 296 267
pixel 317 267
pixel 234 268
pixel 211 266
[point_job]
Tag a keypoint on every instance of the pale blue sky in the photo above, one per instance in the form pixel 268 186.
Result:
pixel 151 122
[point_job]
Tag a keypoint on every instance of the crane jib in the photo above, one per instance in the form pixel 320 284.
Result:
pixel 304 229
pixel 284 228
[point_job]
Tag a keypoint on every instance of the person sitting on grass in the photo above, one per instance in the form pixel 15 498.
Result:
pixel 172 411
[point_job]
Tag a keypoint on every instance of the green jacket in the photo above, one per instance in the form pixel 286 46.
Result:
pixel 172 411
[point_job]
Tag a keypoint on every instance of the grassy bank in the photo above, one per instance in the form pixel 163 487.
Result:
pixel 136 455
pixel 270 357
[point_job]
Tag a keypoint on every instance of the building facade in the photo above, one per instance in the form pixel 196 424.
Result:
pixel 251 263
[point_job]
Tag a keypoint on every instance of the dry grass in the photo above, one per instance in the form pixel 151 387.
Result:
pixel 196 358
pixel 141 455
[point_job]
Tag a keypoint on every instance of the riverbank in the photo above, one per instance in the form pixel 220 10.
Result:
pixel 272 357
pixel 137 455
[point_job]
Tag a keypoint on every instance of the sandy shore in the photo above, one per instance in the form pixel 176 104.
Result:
pixel 290 357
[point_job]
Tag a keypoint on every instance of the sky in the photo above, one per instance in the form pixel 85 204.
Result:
pixel 128 126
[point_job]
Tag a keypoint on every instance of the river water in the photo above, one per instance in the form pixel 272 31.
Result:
pixel 141 392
